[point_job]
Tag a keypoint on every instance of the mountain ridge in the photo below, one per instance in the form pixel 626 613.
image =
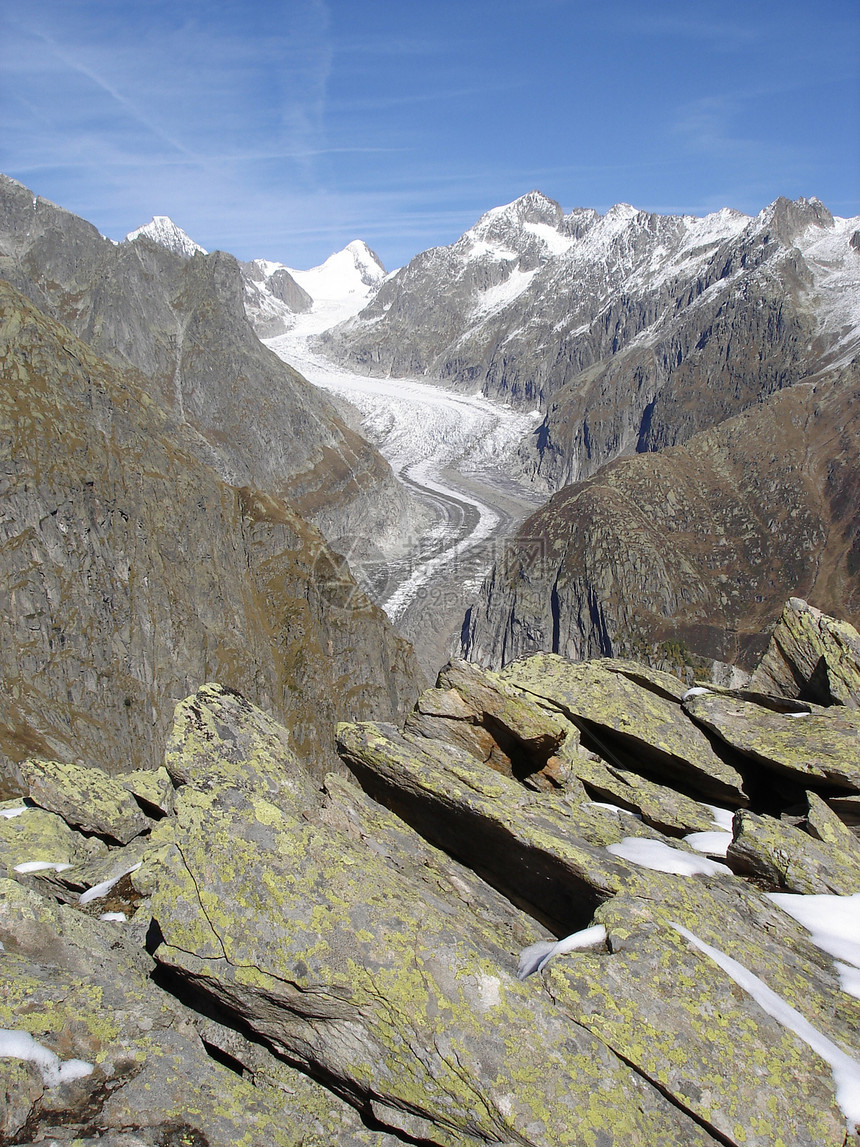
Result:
pixel 675 294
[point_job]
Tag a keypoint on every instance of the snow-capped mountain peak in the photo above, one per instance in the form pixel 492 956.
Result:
pixel 166 233
pixel 356 271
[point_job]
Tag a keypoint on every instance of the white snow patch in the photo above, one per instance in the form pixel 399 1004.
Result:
pixel 41 866
pixel 835 267
pixel 723 817
pixel 555 242
pixel 833 923
pixel 166 233
pixel 711 843
pixel 499 296
pixel 614 808
pixel 99 890
pixel 353 273
pixel 849 978
pixel 696 691
pixel 114 917
pixel 846 1071
pixel 10 812
pixel 659 857
pixel 536 957
pixel 16 1044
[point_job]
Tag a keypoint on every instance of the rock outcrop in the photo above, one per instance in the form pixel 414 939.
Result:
pixel 811 656
pixel 179 319
pixel 272 960
pixel 130 574
pixel 685 557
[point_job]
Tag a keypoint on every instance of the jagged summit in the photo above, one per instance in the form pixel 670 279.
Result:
pixel 166 233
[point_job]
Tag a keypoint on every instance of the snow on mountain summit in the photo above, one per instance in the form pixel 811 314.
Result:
pixel 354 271
pixel 166 233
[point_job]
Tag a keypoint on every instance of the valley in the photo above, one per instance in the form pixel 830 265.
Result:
pixel 455 454
pixel 263 882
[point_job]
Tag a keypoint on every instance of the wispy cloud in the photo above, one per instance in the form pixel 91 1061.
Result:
pixel 318 121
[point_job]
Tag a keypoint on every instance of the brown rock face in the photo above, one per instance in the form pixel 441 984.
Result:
pixel 688 556
pixel 131 573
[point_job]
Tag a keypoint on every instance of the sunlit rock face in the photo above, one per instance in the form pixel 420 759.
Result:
pixel 686 557
pixel 131 573
pixel 520 920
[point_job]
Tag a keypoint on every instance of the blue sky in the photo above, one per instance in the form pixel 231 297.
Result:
pixel 285 129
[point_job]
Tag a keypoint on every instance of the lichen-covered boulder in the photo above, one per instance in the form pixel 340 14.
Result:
pixel 789 860
pixel 822 745
pixel 83 992
pixel 35 839
pixel 630 725
pixel 372 972
pixel 811 656
pixel 152 788
pixel 534 848
pixel 86 798
pixel 673 1013
pixel 476 710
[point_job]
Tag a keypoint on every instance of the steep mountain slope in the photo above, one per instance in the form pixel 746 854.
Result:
pixel 688 555
pixel 131 573
pixel 632 330
pixel 180 320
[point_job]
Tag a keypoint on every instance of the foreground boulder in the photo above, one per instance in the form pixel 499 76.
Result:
pixel 443 950
pixel 812 657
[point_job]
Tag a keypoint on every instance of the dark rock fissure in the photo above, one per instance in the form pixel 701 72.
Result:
pixel 195 997
pixel 535 882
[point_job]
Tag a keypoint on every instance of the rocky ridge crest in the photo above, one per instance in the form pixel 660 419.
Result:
pixel 180 320
pixel 632 330
pixel 376 961
pixel 685 557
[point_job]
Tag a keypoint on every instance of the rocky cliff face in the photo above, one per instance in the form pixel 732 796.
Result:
pixel 179 319
pixel 131 573
pixel 686 556
pixel 522 922
pixel 632 330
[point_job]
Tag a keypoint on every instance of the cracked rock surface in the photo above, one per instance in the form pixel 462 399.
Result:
pixel 276 960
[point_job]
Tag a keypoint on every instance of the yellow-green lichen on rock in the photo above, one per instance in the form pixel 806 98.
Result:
pixel 821 746
pixel 339 959
pixel 812 656
pixel 631 724
pixel 86 798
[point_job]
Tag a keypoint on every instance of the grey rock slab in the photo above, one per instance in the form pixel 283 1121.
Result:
pixel 500 707
pixel 684 1023
pixel 788 859
pixel 152 786
pixel 822 746
pixel 86 798
pixel 83 990
pixel 38 836
pixel 525 844
pixel 632 727
pixel 395 993
pixel 811 656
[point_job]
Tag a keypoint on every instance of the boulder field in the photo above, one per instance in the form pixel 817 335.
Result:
pixel 564 903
